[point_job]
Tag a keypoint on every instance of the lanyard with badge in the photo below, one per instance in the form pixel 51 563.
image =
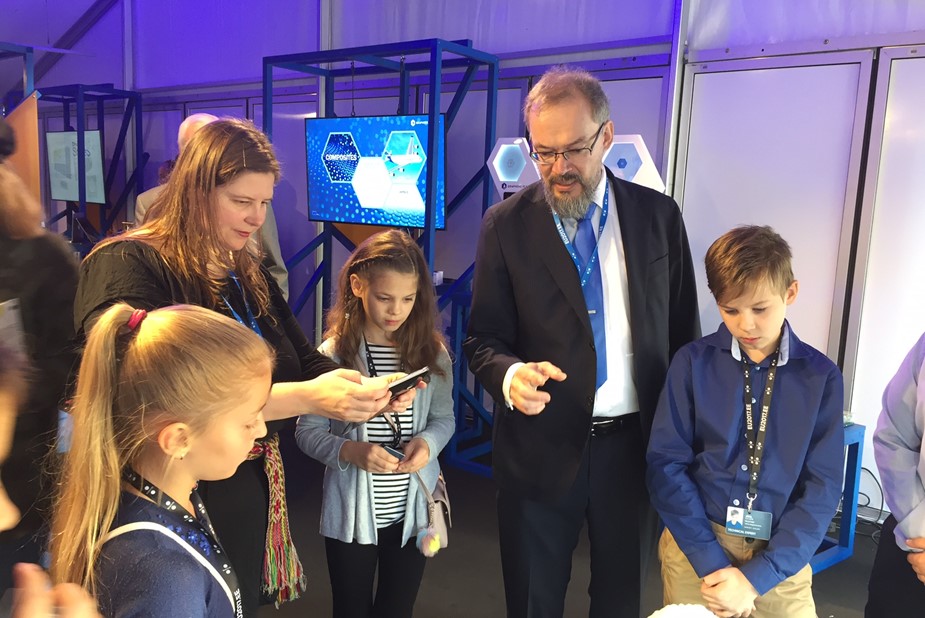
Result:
pixel 251 320
pixel 198 523
pixel 589 267
pixel 749 522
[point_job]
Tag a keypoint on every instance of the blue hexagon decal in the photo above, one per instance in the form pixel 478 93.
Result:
pixel 404 157
pixel 340 157
pixel 624 160
pixel 509 163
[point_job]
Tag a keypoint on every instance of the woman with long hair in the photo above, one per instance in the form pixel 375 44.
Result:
pixel 163 401
pixel 198 246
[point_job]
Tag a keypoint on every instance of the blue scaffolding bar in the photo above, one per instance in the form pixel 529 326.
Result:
pixel 78 230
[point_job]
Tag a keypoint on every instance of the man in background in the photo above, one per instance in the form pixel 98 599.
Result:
pixel 269 235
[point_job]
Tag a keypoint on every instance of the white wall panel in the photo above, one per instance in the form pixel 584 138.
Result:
pixel 733 23
pixel 889 288
pixel 636 106
pixel 777 146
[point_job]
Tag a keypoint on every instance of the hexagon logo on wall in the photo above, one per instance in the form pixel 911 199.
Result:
pixel 404 157
pixel 629 159
pixel 340 157
pixel 509 162
pixel 510 165
pixel 625 159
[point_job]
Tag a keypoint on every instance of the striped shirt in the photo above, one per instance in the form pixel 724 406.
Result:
pixel 390 491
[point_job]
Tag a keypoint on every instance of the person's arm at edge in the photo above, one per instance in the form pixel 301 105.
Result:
pixel 898 446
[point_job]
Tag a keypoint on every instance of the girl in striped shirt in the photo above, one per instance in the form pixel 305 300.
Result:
pixel 384 320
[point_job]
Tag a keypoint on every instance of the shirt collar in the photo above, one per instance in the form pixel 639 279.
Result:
pixel 598 197
pixel 784 347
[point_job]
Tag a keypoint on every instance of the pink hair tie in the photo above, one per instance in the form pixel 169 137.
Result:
pixel 137 316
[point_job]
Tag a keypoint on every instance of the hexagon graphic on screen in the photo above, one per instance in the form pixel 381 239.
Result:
pixel 404 156
pixel 340 157
pixel 623 160
pixel 509 163
pixel 372 182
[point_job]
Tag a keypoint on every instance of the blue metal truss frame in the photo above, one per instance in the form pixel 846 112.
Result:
pixel 379 61
pixel 27 53
pixel 78 95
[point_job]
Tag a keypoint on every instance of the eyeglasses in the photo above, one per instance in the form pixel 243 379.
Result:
pixel 574 155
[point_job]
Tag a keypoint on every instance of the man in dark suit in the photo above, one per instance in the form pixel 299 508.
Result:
pixel 583 290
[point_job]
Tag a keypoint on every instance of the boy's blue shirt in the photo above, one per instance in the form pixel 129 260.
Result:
pixel 697 453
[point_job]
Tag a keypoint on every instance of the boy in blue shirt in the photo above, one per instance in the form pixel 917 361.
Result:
pixel 747 447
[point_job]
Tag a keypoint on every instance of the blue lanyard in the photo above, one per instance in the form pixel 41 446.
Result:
pixel 589 267
pixel 251 320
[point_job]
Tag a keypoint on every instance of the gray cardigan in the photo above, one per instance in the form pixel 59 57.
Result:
pixel 347 502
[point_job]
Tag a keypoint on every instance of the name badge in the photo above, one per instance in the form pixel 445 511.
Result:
pixel 754 524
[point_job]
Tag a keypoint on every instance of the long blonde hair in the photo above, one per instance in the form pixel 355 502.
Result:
pixel 181 223
pixel 180 364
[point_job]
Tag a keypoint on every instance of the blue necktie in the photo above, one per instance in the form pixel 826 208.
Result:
pixel 586 246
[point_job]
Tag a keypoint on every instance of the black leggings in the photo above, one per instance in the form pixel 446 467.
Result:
pixel 894 590
pixel 352 568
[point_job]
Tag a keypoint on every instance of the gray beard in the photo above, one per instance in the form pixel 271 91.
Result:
pixel 570 207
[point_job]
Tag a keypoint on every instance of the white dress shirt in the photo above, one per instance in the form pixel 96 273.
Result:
pixel 617 395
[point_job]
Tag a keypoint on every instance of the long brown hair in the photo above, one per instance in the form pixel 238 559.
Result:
pixel 418 340
pixel 181 223
pixel 180 364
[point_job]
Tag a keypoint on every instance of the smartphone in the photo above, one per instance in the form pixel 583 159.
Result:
pixel 394 452
pixel 408 382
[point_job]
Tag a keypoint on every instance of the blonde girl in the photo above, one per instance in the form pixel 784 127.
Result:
pixel 383 321
pixel 164 399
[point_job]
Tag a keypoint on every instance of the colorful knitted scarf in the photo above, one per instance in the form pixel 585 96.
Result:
pixel 283 579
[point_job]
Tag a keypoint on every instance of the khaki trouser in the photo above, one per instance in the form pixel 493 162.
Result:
pixel 792 598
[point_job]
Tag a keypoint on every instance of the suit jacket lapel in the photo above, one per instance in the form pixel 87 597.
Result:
pixel 635 222
pixel 540 227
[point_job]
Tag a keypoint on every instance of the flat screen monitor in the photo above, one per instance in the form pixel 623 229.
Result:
pixel 62 166
pixel 373 170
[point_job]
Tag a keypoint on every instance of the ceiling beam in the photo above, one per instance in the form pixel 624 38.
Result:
pixel 74 34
